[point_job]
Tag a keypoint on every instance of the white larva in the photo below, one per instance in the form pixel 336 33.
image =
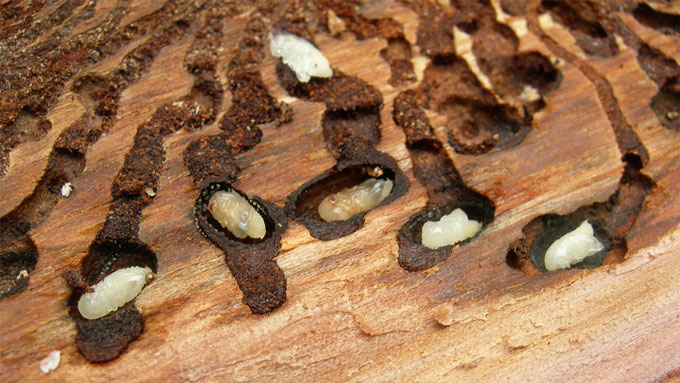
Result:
pixel 51 362
pixel 22 274
pixel 66 190
pixel 572 248
pixel 449 230
pixel 117 289
pixel 347 202
pixel 529 94
pixel 237 215
pixel 300 56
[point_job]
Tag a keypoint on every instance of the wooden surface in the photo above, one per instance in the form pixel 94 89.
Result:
pixel 352 314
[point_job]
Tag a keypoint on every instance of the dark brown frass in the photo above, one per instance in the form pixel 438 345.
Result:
pixel 446 190
pixel 413 256
pixel 117 245
pixel 481 119
pixel 251 261
pixel 213 167
pixel 13 265
pixel 351 131
pixel 582 20
pixel 477 127
pixel 99 95
pixel 103 339
pixel 477 122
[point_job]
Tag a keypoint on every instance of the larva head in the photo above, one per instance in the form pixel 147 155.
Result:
pixel 149 277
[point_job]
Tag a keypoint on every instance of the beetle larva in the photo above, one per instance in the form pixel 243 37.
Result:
pixel 114 291
pixel 572 248
pixel 66 190
pixel 237 215
pixel 449 230
pixel 347 202
pixel 51 362
pixel 300 55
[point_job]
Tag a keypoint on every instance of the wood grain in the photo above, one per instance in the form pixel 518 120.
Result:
pixel 352 314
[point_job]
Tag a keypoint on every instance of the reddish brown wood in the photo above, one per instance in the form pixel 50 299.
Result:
pixel 352 313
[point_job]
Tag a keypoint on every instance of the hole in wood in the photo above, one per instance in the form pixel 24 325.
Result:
pixel 555 227
pixel 665 23
pixel 203 213
pixel 250 260
pixel 103 339
pixel 477 122
pixel 414 256
pixel 582 20
pixel 307 204
pixel 533 68
pixel 610 220
pixel 15 268
pixel 519 78
pixel 476 127
pixel 107 257
pixel 524 78
pixel 446 192
pixel 666 105
pixel 303 204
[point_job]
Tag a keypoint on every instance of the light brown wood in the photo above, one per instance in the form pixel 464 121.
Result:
pixel 352 313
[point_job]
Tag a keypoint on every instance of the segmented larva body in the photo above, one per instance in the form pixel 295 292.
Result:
pixel 300 55
pixel 347 202
pixel 237 215
pixel 114 291
pixel 449 230
pixel 572 248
